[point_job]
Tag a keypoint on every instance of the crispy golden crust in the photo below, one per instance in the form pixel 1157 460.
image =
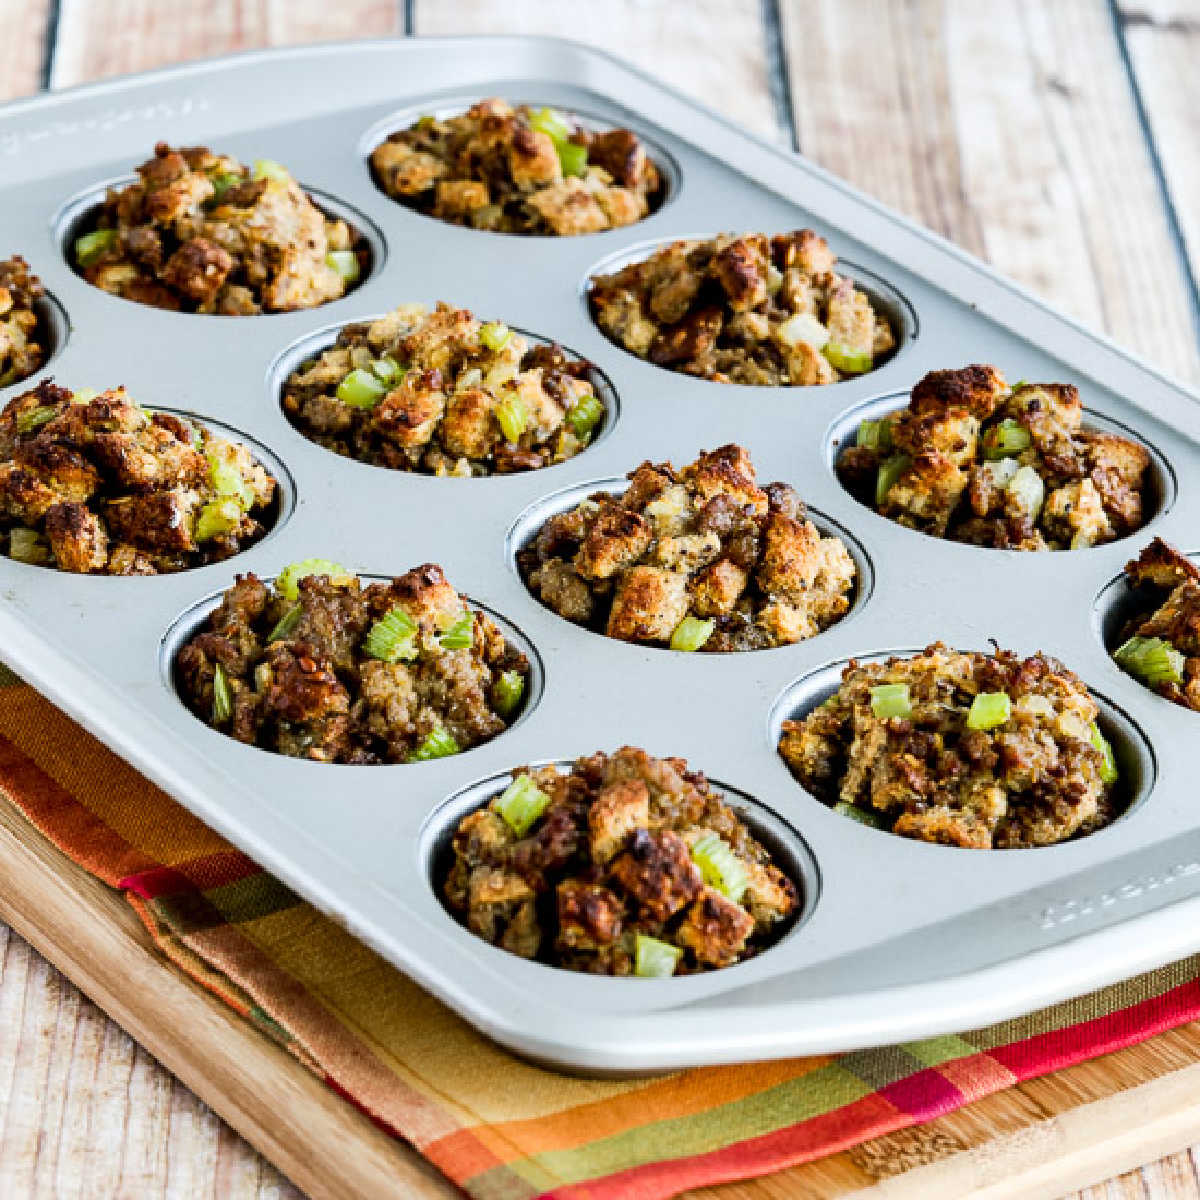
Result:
pixel 610 859
pixel 23 339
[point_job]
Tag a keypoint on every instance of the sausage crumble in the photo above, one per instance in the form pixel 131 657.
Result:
pixel 699 558
pixel 962 749
pixel 94 483
pixel 443 393
pixel 321 665
pixel 200 232
pixel 519 170
pixel 22 336
pixel 974 460
pixel 631 865
pixel 746 308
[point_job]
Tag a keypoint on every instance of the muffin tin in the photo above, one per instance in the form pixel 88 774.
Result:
pixel 898 939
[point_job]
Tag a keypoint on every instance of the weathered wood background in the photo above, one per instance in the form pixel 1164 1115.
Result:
pixel 1059 139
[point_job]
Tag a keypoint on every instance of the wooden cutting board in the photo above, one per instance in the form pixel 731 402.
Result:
pixel 1042 1138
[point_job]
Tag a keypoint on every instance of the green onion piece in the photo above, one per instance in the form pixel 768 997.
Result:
pixel 495 335
pixel 1152 660
pixel 287 581
pixel 507 692
pixel 1029 490
pixel 848 360
pixel 286 624
pixel 988 710
pixel 891 700
pixel 222 706
pixel 386 369
pixel 345 263
pixel 35 418
pixel 720 866
pixel 889 475
pixel 460 635
pixel 1006 439
pixel 438 743
pixel 513 418
pixel 572 158
pixel 875 435
pixel 222 182
pixel 551 122
pixel 90 248
pixel 691 633
pixel 584 415
pixel 217 518
pixel 267 168
pixel 521 803
pixel 1108 765
pixel 870 817
pixel 392 637
pixel 654 959
pixel 26 545
pixel 360 389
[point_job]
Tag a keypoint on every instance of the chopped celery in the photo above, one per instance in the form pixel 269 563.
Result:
pixel 35 418
pixel 521 803
pixel 225 477
pixel 720 866
pixel 495 335
pixel 891 700
pixel 26 545
pixel 511 414
pixel 90 248
pixel 222 705
pixel 386 369
pixel 507 692
pixel 1006 439
pixel 426 122
pixel 889 475
pixel 572 158
pixel 552 123
pixel 460 635
pixel 1108 763
pixel 864 816
pixel 584 415
pixel 691 633
pixel 1030 492
pixel 1016 387
pixel 988 710
pixel 804 327
pixel 345 263
pixel 875 435
pixel 286 624
pixel 393 637
pixel 654 959
pixel 847 359
pixel 287 581
pixel 222 182
pixel 438 743
pixel 1152 660
pixel 217 518
pixel 83 395
pixel 266 168
pixel 360 389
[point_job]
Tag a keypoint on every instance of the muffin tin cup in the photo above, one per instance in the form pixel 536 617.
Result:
pixel 904 939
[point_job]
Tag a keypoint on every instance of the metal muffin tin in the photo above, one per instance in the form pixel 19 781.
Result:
pixel 899 939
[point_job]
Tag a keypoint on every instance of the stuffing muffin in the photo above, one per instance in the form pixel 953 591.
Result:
pixel 623 864
pixel 94 483
pixel 1160 644
pixel 975 460
pixel 444 393
pixel 744 308
pixel 320 665
pixel 23 348
pixel 200 232
pixel 697 559
pixel 519 170
pixel 962 749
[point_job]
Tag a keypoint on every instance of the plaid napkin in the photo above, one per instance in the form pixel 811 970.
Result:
pixel 499 1127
